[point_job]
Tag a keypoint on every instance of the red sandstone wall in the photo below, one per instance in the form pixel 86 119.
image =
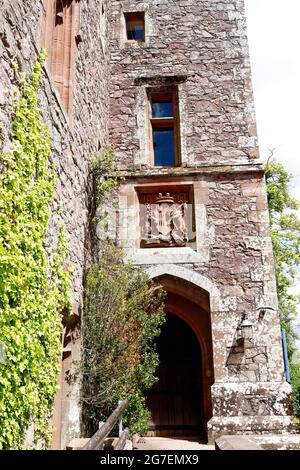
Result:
pixel 74 138
pixel 204 43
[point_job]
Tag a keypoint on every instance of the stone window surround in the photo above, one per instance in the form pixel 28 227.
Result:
pixel 46 41
pixel 102 24
pixel 173 121
pixel 144 156
pixel 121 33
pixel 129 229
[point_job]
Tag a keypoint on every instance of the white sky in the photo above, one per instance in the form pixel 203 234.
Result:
pixel 274 41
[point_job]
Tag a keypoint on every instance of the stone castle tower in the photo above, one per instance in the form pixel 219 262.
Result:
pixel 167 84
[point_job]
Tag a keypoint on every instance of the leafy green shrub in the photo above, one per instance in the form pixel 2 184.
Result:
pixel 105 174
pixel 33 290
pixel 285 232
pixel 123 312
pixel 295 380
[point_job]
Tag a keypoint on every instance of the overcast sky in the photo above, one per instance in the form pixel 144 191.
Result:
pixel 274 41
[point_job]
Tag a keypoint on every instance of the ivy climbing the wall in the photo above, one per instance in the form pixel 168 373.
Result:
pixel 34 287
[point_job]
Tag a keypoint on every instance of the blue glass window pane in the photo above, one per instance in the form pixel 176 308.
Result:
pixel 135 31
pixel 139 31
pixel 161 109
pixel 163 143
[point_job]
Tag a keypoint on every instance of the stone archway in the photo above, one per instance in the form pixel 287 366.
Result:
pixel 193 277
pixel 191 304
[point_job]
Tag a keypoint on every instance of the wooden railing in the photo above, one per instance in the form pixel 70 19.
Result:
pixel 96 442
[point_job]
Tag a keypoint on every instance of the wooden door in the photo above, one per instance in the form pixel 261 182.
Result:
pixel 176 400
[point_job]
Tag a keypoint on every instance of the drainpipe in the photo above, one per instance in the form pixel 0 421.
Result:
pixel 285 356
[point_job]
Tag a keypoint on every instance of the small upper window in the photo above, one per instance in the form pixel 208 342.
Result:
pixel 135 26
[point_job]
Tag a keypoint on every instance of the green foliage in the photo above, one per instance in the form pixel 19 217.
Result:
pixel 123 312
pixel 295 380
pixel 33 290
pixel 285 232
pixel 137 416
pixel 105 173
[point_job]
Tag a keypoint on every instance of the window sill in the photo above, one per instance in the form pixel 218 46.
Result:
pixel 164 256
pixel 159 167
pixel 135 41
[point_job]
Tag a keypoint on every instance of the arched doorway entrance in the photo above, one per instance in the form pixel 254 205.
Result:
pixel 176 400
pixel 180 402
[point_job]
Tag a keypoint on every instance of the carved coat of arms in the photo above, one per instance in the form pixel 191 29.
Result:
pixel 164 220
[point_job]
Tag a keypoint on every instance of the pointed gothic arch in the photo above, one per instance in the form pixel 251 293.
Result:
pixel 192 277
